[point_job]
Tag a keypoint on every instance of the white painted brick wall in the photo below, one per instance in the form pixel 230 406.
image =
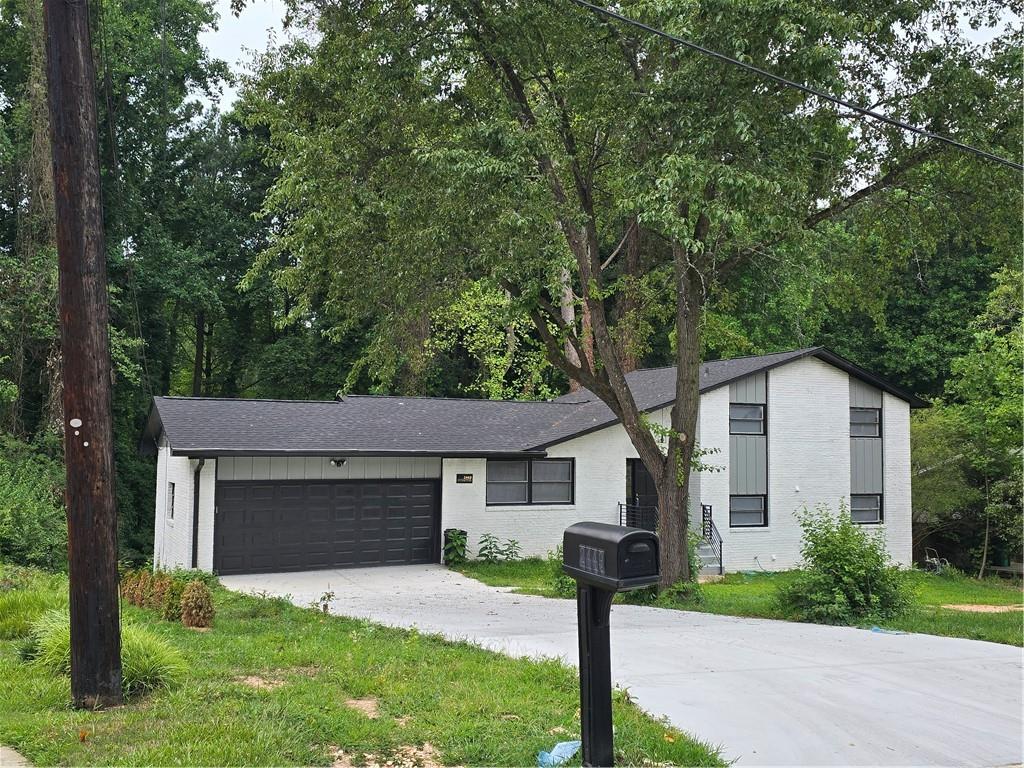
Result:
pixel 600 486
pixel 172 540
pixel 897 478
pixel 173 535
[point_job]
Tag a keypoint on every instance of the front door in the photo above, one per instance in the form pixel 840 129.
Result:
pixel 640 488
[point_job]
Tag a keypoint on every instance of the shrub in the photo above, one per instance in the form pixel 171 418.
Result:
pixel 454 546
pixel 489 549
pixel 196 605
pixel 562 584
pixel 847 573
pixel 147 661
pixel 33 529
pixel 158 590
pixel 171 610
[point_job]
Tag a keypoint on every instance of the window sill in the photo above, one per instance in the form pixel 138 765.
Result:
pixel 749 528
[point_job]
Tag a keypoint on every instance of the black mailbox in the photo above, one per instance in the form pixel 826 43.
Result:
pixel 604 559
pixel 611 557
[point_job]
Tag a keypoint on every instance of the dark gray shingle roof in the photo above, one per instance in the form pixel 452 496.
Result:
pixel 366 424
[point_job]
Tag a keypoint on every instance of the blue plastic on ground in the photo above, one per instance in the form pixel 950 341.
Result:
pixel 887 631
pixel 560 754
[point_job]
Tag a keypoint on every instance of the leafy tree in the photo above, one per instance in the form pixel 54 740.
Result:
pixel 967 449
pixel 580 165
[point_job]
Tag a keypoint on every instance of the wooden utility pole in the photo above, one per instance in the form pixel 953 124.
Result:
pixel 85 349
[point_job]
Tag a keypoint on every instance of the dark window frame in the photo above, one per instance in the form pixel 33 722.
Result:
pixel 881 509
pixel 878 422
pixel 763 420
pixel 529 483
pixel 170 500
pixel 764 509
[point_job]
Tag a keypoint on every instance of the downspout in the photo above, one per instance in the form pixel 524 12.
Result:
pixel 195 513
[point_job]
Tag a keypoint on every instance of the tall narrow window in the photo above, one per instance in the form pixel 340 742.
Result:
pixel 865 422
pixel 866 508
pixel 746 419
pixel 170 501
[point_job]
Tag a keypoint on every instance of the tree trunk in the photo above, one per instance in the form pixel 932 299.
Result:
pixel 673 490
pixel 208 364
pixel 984 546
pixel 85 345
pixel 567 307
pixel 197 360
pixel 628 340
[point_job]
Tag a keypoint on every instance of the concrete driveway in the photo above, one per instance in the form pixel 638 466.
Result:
pixel 768 692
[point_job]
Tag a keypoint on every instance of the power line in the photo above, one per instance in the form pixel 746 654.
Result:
pixel 799 86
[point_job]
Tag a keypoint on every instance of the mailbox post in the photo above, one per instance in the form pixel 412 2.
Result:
pixel 603 559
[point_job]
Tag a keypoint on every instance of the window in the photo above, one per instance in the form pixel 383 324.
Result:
pixel 746 419
pixel 866 508
pixel 170 501
pixel 540 481
pixel 865 422
pixel 748 511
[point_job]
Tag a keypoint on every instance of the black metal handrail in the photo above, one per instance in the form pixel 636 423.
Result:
pixel 638 516
pixel 711 535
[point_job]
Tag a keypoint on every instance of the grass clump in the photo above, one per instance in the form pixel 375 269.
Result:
pixel 19 608
pixel 847 576
pixel 147 661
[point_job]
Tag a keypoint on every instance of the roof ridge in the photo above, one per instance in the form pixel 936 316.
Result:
pixel 241 399
pixel 730 359
pixel 552 401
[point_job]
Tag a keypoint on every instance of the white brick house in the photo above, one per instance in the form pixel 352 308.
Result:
pixel 262 485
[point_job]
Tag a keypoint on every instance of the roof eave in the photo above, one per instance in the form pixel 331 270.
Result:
pixel 213 453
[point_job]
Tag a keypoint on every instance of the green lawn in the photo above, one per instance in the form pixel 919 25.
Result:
pixel 753 595
pixel 473 706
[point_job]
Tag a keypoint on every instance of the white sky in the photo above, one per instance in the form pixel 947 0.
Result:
pixel 236 39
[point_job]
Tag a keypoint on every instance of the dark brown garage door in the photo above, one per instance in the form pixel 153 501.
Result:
pixel 296 525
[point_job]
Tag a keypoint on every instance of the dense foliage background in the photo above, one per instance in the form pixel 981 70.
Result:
pixel 286 247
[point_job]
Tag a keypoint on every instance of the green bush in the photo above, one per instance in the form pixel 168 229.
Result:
pixel 847 575
pixel 33 529
pixel 196 605
pixel 147 661
pixel 562 584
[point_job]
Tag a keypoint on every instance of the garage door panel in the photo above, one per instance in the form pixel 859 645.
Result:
pixel 296 525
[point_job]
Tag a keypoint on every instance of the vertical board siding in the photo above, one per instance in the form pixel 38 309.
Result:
pixel 320 468
pixel 864 395
pixel 748 464
pixel 866 465
pixel 752 389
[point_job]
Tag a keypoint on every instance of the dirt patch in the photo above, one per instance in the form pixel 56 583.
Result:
pixel 260 683
pixel 403 721
pixel 409 756
pixel 368 706
pixel 977 608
